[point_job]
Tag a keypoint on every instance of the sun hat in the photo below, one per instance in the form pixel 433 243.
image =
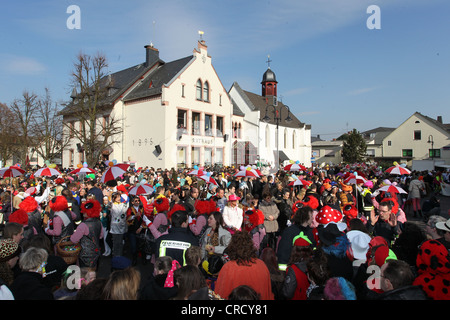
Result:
pixel 443 225
pixel 360 243
pixel 233 197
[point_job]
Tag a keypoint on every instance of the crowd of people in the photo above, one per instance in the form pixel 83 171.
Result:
pixel 307 235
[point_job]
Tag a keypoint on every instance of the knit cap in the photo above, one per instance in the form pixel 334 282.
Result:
pixel 8 249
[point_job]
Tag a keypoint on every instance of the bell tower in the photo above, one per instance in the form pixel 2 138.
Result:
pixel 269 81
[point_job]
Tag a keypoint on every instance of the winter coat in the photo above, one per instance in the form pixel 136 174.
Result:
pixel 414 188
pixel 270 209
pixel 224 240
pixel 404 293
pixel 30 286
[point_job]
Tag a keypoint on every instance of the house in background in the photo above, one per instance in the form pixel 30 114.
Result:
pixel 374 140
pixel 418 138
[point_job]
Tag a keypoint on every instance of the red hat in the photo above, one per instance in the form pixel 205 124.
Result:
pixel 29 204
pixel 301 240
pixel 161 204
pixel 350 211
pixel 327 214
pixel 19 216
pixel 252 219
pixel 309 201
pixel 92 208
pixel 58 203
pixel 176 207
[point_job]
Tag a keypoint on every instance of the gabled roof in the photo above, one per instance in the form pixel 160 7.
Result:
pixel 259 103
pixel 118 83
pixel 162 75
pixel 121 81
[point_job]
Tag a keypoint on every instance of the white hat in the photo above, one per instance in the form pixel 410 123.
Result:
pixel 360 243
pixel 444 225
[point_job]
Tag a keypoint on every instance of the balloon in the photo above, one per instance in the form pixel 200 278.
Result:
pixel 291 161
pixel 52 165
pixel 395 163
pixel 249 168
pixel 79 165
pixel 242 168
pixel 85 164
pixel 297 162
pixel 196 167
pixel 111 164
pixel 17 165
pixel 114 162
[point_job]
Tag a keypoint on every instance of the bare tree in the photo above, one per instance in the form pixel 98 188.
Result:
pixel 9 144
pixel 97 128
pixel 25 110
pixel 47 129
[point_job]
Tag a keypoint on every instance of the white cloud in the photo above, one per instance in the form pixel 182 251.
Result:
pixel 17 65
pixel 361 91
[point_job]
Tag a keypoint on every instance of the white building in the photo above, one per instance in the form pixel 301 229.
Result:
pixel 173 114
pixel 418 138
pixel 269 130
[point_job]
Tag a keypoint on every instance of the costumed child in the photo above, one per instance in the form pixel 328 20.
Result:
pixel 254 222
pixel 88 234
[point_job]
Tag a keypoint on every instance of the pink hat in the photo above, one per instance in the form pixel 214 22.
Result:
pixel 233 197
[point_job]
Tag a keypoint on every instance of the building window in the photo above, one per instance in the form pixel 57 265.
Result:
pixel 199 86
pixel 208 156
pixel 71 129
pixel 195 155
pixel 219 126
pixel 206 91
pixel 219 156
pixel 71 157
pixel 208 125
pixel 181 157
pixel 285 138
pixel 294 138
pixel 182 90
pixel 196 123
pixel 220 99
pixel 417 135
pixel 389 143
pixel 434 153
pixel 407 153
pixel 239 131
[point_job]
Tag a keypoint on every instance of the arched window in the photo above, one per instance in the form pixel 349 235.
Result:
pixel 239 131
pixel 199 90
pixel 294 138
pixel 285 138
pixel 206 91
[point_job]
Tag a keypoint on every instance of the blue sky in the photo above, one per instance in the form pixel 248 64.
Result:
pixel 333 72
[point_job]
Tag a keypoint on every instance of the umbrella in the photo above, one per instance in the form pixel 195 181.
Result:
pixel 392 189
pixel 208 179
pixel 294 167
pixel 300 182
pixel 197 172
pixel 114 171
pixel 398 170
pixel 354 179
pixel 48 172
pixel 249 172
pixel 141 189
pixel 84 170
pixel 12 171
pixel 30 191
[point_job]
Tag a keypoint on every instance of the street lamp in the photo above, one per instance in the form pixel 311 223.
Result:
pixel 431 140
pixel 277 119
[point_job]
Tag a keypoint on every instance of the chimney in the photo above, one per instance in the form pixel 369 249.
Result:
pixel 439 119
pixel 151 55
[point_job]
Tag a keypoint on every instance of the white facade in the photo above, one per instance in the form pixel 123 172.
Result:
pixel 151 134
pixel 410 140
pixel 294 139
